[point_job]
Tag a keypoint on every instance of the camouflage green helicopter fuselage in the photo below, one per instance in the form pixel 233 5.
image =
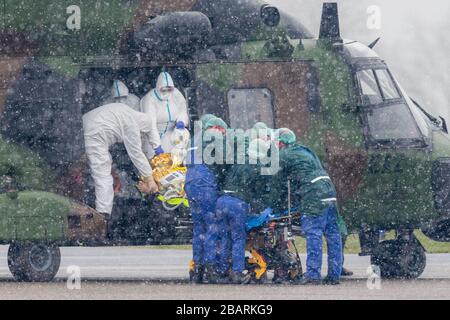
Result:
pixel 389 160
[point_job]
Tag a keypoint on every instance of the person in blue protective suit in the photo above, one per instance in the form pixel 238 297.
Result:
pixel 232 213
pixel 169 106
pixel 242 196
pixel 202 191
pixel 315 194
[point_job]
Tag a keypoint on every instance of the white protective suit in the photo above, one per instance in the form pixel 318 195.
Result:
pixel 121 94
pixel 106 126
pixel 168 108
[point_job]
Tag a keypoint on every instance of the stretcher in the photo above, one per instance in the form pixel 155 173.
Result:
pixel 271 246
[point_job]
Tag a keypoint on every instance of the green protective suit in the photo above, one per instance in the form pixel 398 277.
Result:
pixel 311 188
pixel 246 182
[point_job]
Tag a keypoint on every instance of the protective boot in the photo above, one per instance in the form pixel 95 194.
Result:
pixel 346 272
pixel 212 276
pixel 197 275
pixel 330 282
pixel 239 278
pixel 309 282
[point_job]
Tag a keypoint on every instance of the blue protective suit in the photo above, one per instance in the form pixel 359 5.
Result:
pixel 232 217
pixel 202 193
pixel 315 227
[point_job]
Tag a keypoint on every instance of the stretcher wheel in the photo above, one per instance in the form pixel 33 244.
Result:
pixel 294 276
pixel 264 279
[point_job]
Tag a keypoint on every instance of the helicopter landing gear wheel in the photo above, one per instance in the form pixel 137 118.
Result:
pixel 33 261
pixel 400 258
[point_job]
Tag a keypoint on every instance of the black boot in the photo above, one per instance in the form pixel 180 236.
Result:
pixel 346 273
pixel 196 276
pixel 330 282
pixel 309 282
pixel 211 275
pixel 239 278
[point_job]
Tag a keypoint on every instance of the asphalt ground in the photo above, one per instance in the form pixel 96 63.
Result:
pixel 143 273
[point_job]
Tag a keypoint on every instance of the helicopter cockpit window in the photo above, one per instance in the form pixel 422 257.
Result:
pixel 249 106
pixel 377 86
pixel 391 123
pixel 387 85
pixel 369 87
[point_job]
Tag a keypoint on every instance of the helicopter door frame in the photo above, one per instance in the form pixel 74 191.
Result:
pixel 294 86
pixel 249 88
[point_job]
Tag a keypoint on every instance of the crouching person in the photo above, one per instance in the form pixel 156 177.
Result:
pixel 244 186
pixel 232 212
pixel 313 190
pixel 202 191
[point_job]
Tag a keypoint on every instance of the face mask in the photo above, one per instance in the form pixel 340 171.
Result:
pixel 218 129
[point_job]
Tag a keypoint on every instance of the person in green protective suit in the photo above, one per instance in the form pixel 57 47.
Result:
pixel 286 138
pixel 314 194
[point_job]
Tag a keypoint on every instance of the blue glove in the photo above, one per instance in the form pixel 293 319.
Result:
pixel 180 125
pixel 256 222
pixel 159 151
pixel 267 212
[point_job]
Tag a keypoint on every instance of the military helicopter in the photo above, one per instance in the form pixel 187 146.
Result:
pixel 245 61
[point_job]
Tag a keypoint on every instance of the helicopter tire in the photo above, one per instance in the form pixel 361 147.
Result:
pixel 33 261
pixel 400 259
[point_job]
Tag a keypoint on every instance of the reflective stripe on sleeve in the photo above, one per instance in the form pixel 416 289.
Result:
pixel 329 200
pixel 320 178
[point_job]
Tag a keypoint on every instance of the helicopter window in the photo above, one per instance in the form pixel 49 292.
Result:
pixel 393 122
pixel 249 106
pixel 369 87
pixel 387 85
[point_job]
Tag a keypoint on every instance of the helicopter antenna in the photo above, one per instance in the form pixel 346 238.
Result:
pixel 373 44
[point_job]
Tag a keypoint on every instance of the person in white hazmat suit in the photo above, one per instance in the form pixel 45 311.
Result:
pixel 169 106
pixel 117 123
pixel 121 94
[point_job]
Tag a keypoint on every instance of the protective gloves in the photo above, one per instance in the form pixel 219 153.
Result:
pixel 159 151
pixel 256 222
pixel 180 125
